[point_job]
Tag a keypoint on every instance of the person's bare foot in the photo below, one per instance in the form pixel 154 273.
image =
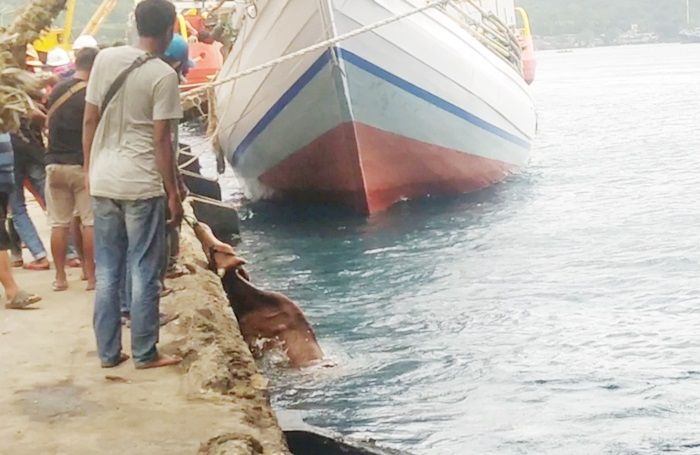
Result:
pixel 39 264
pixel 74 263
pixel 60 285
pixel 161 361
pixel 122 358
pixel 90 285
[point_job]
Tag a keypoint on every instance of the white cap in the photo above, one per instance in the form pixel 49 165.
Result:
pixel 84 41
pixel 57 57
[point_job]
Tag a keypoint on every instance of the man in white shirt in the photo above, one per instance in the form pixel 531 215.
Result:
pixel 130 162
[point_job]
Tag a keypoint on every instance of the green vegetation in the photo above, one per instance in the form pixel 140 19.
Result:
pixel 608 18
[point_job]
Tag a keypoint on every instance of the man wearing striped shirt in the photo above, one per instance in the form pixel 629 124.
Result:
pixel 16 298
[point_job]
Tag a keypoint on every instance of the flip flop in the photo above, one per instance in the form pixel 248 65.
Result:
pixel 160 361
pixel 122 358
pixel 166 292
pixel 176 271
pixel 164 319
pixel 59 287
pixel 22 300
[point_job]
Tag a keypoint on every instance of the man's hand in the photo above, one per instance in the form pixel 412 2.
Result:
pixel 176 212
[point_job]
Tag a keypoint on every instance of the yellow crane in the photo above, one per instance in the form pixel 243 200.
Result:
pixel 62 36
pixel 101 13
pixel 58 36
pixel 68 24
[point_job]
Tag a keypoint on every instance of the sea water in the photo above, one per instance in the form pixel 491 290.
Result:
pixel 557 312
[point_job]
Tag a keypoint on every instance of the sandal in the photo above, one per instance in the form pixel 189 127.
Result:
pixel 160 361
pixel 22 300
pixel 175 271
pixel 122 358
pixel 166 292
pixel 164 319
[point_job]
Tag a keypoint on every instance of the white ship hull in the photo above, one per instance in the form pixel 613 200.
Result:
pixel 415 107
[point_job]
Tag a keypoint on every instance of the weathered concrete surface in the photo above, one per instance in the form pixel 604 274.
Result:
pixel 56 400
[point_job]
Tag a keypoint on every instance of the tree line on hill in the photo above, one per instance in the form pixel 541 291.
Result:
pixel 609 18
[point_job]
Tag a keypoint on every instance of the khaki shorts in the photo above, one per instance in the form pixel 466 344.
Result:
pixel 66 195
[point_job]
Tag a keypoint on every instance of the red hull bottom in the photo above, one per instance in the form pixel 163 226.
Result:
pixel 370 169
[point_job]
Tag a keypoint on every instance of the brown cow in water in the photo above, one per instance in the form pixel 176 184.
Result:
pixel 264 316
pixel 272 318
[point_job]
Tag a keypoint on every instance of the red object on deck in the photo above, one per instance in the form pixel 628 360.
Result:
pixel 207 60
pixel 370 169
pixel 528 58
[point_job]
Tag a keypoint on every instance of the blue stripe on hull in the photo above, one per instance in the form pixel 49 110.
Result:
pixel 377 71
pixel 281 103
pixel 429 97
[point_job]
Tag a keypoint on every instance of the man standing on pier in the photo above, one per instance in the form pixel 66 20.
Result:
pixel 17 299
pixel 132 98
pixel 66 193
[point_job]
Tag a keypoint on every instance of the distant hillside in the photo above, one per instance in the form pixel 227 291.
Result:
pixel 593 18
pixel 114 28
pixel 586 18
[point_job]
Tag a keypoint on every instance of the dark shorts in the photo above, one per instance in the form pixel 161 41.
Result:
pixel 4 236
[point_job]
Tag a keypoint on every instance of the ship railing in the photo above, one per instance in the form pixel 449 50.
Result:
pixel 488 29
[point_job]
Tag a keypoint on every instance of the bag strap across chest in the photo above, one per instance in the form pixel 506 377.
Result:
pixel 121 78
pixel 63 99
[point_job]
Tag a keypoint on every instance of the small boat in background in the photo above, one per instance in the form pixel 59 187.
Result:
pixel 690 36
pixel 434 102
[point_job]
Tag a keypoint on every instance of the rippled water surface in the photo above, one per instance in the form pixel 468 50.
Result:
pixel 558 312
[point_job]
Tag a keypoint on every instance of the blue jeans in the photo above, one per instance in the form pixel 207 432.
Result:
pixel 20 218
pixel 129 241
pixel 23 224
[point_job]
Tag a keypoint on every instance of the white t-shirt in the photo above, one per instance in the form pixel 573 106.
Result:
pixel 122 159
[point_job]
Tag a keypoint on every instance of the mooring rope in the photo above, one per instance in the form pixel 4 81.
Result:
pixel 192 160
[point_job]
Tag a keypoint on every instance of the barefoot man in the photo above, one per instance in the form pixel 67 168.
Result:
pixel 132 97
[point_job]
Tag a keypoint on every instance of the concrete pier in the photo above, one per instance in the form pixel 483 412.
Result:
pixel 55 399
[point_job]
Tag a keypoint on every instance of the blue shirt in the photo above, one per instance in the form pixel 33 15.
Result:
pixel 7 159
